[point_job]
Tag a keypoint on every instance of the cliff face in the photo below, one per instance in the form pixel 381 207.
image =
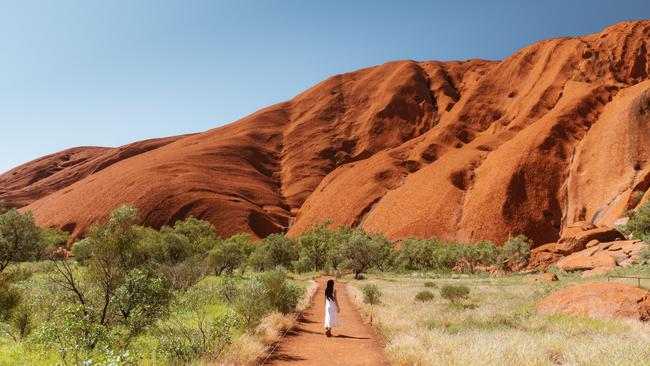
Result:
pixel 556 133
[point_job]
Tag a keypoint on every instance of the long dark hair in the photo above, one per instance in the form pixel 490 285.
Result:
pixel 329 290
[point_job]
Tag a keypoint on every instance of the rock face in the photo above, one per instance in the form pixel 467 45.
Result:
pixel 599 300
pixel 555 134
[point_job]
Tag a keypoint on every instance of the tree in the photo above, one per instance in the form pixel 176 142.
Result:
pixel 225 257
pixel 362 252
pixel 20 238
pixel 275 250
pixel 200 234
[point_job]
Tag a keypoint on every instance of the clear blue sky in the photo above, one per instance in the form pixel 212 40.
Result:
pixel 112 72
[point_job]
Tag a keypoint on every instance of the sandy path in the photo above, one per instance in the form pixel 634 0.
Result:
pixel 354 344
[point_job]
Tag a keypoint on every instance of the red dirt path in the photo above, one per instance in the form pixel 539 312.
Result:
pixel 354 344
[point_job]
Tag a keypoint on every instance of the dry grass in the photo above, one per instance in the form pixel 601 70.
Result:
pixel 249 350
pixel 496 326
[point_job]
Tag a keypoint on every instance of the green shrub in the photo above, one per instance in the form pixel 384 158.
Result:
pixel 430 284
pixel 644 255
pixel 454 293
pixel 181 342
pixel 302 265
pixel 517 250
pixel 281 295
pixel 9 299
pixel 142 299
pixel 227 290
pixel 371 294
pixel 424 296
pixel 251 304
pixel 638 224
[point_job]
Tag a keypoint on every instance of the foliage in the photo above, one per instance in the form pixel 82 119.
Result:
pixel 281 295
pixel 638 224
pixel 20 238
pixel 517 250
pixel 430 284
pixel 454 293
pixel 371 294
pixel 251 304
pixel 424 296
pixel 9 299
pixel 226 257
pixel 275 250
pixel 73 332
pixel 143 298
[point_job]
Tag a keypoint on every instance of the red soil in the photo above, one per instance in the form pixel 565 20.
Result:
pixel 354 344
pixel 556 133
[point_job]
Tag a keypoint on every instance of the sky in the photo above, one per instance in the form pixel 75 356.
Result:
pixel 111 72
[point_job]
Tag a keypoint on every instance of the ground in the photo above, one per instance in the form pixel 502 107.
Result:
pixel 497 325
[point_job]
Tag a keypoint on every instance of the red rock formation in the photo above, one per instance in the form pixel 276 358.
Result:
pixel 556 133
pixel 599 300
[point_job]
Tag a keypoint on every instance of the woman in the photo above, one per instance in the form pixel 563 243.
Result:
pixel 331 309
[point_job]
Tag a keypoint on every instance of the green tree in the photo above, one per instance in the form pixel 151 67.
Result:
pixel 226 257
pixel 20 238
pixel 275 250
pixel 362 252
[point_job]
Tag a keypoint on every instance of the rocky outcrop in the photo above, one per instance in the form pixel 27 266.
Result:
pixel 599 300
pixel 461 150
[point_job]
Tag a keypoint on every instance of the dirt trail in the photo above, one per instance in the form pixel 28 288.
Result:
pixel 354 344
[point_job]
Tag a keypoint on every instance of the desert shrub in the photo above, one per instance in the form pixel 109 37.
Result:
pixel 251 304
pixel 638 224
pixel 184 275
pixel 73 332
pixel 227 289
pixel 371 294
pixel 143 298
pixel 82 250
pixel 181 342
pixel 302 265
pixel 9 299
pixel 517 250
pixel 424 296
pixel 644 255
pixel 430 284
pixel 454 293
pixel 281 295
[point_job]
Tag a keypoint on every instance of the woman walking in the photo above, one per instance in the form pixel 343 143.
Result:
pixel 331 309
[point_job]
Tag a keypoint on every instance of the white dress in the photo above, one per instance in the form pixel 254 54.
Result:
pixel 331 314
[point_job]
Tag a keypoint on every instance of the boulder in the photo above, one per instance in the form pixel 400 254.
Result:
pixel 541 261
pixel 599 300
pixel 545 277
pixel 592 243
pixel 548 247
pixel 598 271
pixel 577 227
pixel 580 262
pixel 572 244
